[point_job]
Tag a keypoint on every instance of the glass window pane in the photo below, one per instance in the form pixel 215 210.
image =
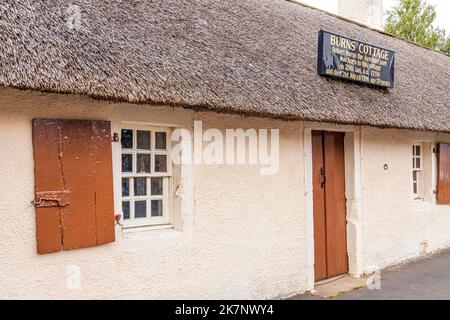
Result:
pixel 414 150
pixel 127 138
pixel 125 187
pixel 415 188
pixel 414 175
pixel 418 163
pixel 417 150
pixel 157 186
pixel 157 209
pixel 143 140
pixel 140 186
pixel 126 209
pixel 127 163
pixel 160 163
pixel 140 209
pixel 143 163
pixel 160 140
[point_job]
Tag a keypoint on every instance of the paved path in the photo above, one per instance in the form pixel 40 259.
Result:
pixel 427 278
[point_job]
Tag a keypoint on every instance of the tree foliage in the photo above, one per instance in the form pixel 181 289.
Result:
pixel 413 20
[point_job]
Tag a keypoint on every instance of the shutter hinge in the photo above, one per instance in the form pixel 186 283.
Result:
pixel 47 199
pixel 115 137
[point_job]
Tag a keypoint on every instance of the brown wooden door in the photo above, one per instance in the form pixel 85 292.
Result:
pixel 330 239
pixel 443 186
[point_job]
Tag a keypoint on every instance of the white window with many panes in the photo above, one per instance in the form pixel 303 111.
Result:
pixel 417 171
pixel 146 173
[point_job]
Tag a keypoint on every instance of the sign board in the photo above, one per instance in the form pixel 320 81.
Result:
pixel 345 58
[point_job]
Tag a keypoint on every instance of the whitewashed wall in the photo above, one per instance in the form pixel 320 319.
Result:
pixel 244 235
pixel 397 227
pixel 245 238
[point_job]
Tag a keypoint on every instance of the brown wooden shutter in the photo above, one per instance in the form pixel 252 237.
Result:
pixel 443 188
pixel 73 184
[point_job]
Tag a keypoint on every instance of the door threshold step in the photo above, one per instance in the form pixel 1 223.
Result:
pixel 331 288
pixel 329 280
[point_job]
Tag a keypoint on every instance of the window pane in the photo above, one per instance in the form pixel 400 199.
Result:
pixel 127 163
pixel 160 163
pixel 157 186
pixel 143 140
pixel 127 138
pixel 417 150
pixel 415 188
pixel 143 163
pixel 140 186
pixel 140 209
pixel 414 175
pixel 418 163
pixel 125 187
pixel 157 210
pixel 160 140
pixel 126 209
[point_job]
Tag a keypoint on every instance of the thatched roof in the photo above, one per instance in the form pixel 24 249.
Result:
pixel 252 57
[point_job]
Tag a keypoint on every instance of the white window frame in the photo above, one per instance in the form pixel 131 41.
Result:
pixel 418 172
pixel 149 221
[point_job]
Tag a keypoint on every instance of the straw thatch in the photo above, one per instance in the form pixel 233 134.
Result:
pixel 252 57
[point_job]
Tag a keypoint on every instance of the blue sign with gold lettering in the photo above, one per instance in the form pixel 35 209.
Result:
pixel 345 58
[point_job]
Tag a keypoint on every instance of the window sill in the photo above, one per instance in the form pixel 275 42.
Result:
pixel 147 232
pixel 422 203
pixel 147 228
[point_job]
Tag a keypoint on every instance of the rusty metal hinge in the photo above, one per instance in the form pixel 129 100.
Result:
pixel 118 218
pixel 47 199
pixel 115 137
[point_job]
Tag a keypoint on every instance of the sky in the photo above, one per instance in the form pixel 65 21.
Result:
pixel 442 9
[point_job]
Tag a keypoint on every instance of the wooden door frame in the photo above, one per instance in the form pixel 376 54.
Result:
pixel 353 147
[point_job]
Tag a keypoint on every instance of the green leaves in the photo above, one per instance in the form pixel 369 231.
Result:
pixel 413 20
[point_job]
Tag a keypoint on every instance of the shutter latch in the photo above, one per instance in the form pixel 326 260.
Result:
pixel 47 199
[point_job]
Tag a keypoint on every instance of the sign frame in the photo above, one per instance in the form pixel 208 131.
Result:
pixel 388 70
